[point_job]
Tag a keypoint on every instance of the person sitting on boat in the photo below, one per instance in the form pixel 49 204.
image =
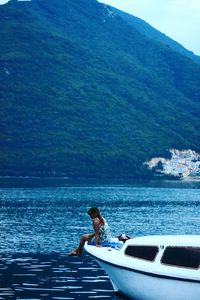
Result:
pixel 100 235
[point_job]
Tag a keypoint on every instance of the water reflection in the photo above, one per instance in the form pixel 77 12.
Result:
pixel 52 276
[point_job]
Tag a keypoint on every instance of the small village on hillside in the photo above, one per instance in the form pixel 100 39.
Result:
pixel 183 163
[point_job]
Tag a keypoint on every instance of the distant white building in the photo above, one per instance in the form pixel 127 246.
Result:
pixel 184 163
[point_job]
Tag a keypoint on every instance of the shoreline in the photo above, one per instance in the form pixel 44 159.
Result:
pixel 36 181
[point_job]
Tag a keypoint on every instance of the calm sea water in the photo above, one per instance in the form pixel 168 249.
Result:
pixel 45 220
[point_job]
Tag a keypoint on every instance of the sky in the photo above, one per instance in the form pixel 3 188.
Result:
pixel 178 19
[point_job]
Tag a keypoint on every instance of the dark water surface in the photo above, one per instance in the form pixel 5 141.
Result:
pixel 40 223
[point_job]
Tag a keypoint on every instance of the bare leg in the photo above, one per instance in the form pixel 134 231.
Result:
pixel 78 251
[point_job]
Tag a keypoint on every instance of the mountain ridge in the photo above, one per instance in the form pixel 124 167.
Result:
pixel 155 34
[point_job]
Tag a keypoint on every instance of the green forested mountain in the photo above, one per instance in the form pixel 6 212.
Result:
pixel 83 93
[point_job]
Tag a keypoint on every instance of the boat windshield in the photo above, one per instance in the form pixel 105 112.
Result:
pixel 143 252
pixel 186 257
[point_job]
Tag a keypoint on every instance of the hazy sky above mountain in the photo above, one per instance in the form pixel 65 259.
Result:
pixel 178 19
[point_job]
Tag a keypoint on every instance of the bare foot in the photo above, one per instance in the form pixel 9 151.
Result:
pixel 73 253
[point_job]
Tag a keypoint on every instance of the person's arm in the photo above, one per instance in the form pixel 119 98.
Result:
pixel 96 223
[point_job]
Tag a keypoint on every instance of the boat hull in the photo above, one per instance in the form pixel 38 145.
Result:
pixel 146 286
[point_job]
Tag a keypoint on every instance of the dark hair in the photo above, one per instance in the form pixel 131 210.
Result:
pixel 95 213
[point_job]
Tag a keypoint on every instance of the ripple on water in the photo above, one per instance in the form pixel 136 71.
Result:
pixel 38 279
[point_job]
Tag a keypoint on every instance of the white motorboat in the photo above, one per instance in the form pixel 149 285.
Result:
pixel 152 267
